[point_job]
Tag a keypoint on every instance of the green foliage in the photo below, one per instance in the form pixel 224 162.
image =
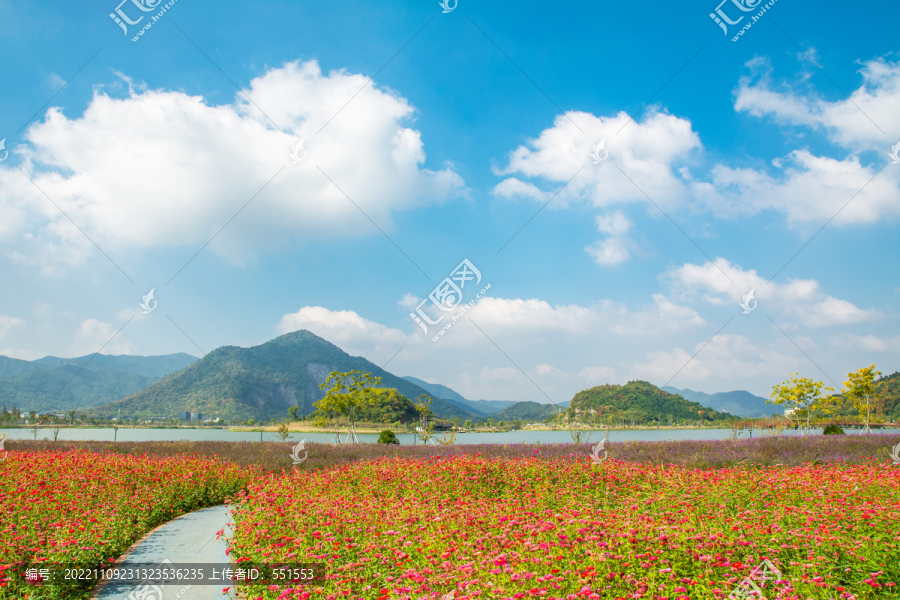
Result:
pixel 292 411
pixel 639 401
pixel 282 432
pixel 388 406
pixel 347 393
pixel 833 430
pixel 388 437
pixel 860 389
pixel 803 396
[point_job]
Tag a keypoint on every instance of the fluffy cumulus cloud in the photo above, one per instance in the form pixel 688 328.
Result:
pixel 163 168
pixel 799 301
pixel 856 122
pixel 663 156
pixel 648 151
pixel 615 248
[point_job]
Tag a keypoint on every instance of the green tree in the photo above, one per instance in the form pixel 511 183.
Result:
pixel 860 387
pixel 468 424
pixel 802 396
pixel 292 411
pixel 282 432
pixel 388 437
pixel 346 394
pixel 423 407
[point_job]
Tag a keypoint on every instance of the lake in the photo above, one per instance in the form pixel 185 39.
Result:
pixel 509 437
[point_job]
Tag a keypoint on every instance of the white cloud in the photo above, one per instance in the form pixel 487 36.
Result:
pixel 94 334
pixel 655 154
pixel 161 168
pixel 868 343
pixel 598 374
pixel 21 354
pixel 645 150
pixel 801 300
pixel 614 249
pixel 846 121
pixel 734 355
pixel 7 323
pixel 355 334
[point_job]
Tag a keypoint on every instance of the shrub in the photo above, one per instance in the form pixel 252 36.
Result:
pixel 387 437
pixel 833 430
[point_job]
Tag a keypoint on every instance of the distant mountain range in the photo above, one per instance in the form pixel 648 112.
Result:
pixel 739 402
pixel 261 383
pixel 487 408
pixel 52 384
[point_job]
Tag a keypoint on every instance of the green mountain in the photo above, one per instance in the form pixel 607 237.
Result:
pixel 527 411
pixel 738 402
pixel 640 401
pixel 52 384
pixel 260 382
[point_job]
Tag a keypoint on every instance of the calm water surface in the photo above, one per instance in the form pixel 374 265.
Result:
pixel 509 437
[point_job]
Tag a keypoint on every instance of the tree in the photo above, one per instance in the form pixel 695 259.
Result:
pixel 801 395
pixel 347 393
pixel 282 432
pixel 860 387
pixel 388 437
pixel 292 411
pixel 34 431
pixel 468 424
pixel 423 407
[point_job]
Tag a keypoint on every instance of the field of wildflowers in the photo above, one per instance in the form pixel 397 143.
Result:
pixel 275 456
pixel 81 508
pixel 494 527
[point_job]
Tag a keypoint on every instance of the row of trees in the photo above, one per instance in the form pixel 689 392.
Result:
pixel 350 395
pixel 803 396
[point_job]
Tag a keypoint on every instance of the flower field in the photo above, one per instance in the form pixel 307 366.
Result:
pixel 85 509
pixel 495 527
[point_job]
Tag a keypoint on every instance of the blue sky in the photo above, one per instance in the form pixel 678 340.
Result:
pixel 474 119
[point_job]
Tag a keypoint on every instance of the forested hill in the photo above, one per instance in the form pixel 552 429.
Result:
pixel 639 401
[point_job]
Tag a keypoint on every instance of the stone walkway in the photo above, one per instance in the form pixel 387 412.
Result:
pixel 188 539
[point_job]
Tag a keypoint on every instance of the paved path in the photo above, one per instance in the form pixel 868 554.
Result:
pixel 187 539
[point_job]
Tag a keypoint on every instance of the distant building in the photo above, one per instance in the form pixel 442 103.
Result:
pixel 189 416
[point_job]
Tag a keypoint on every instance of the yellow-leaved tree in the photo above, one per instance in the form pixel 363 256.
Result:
pixel 860 387
pixel 802 396
pixel 347 393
